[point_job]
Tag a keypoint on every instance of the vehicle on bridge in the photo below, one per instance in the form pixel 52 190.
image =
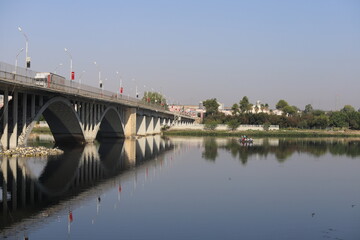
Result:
pixel 47 79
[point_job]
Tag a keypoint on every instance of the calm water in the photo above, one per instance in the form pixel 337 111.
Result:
pixel 186 188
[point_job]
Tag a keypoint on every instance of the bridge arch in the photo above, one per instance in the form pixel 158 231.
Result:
pixel 111 124
pixel 62 119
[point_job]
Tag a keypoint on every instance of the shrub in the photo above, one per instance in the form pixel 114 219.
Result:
pixel 210 125
pixel 233 124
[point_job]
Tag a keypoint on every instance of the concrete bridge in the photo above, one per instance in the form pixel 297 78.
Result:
pixel 30 187
pixel 75 113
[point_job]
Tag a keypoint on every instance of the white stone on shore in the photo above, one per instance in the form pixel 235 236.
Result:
pixel 31 152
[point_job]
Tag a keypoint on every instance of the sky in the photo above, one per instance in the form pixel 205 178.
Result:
pixel 305 52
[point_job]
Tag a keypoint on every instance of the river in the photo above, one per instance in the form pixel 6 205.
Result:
pixel 185 188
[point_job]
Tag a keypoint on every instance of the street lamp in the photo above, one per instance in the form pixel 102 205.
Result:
pixel 81 77
pixel 57 67
pixel 120 84
pixel 27 59
pixel 136 90
pixel 16 59
pixel 98 68
pixel 72 75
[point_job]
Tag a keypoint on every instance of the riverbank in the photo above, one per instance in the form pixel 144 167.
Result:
pixel 279 133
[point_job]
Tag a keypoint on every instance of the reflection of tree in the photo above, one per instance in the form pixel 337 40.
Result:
pixel 210 151
pixel 287 147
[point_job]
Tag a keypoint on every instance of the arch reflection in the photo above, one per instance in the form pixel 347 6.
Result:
pixel 31 186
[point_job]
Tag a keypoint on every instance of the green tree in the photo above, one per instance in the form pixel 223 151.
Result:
pixel 289 110
pixel 281 104
pixel 233 124
pixel 321 121
pixel 154 98
pixel 245 105
pixel 211 124
pixel 212 106
pixel 235 109
pixel 308 109
pixel 338 119
pixel 347 109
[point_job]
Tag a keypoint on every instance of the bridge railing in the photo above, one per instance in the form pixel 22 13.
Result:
pixel 27 77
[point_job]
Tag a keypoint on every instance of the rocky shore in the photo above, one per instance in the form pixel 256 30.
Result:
pixel 31 152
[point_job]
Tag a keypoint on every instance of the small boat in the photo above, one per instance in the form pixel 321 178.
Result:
pixel 246 140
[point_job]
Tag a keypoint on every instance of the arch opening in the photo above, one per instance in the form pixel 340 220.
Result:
pixel 63 123
pixel 111 125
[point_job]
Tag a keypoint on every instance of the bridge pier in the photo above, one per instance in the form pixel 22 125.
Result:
pixel 14 127
pixel 141 125
pixel 4 136
pixel 149 125
pixel 130 122
pixel 157 127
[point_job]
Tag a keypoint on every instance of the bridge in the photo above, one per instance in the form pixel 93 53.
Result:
pixel 75 113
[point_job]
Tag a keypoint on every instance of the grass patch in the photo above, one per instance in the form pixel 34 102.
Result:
pixel 41 130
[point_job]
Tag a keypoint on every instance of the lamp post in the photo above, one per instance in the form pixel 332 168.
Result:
pixel 81 77
pixel 57 67
pixel 27 59
pixel 16 59
pixel 146 94
pixel 72 76
pixel 120 84
pixel 136 89
pixel 98 68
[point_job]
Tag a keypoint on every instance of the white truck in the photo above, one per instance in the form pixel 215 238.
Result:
pixel 47 79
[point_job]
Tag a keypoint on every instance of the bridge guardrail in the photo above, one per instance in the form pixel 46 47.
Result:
pixel 26 76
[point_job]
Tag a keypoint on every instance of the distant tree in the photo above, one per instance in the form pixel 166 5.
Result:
pixel 318 112
pixel 233 124
pixel 154 98
pixel 321 121
pixel 245 105
pixel 347 109
pixel 308 109
pixel 211 125
pixel 289 110
pixel 235 109
pixel 281 104
pixel 256 108
pixel 262 107
pixel 212 106
pixel 354 120
pixel 338 119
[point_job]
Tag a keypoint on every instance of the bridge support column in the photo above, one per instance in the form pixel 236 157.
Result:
pixel 82 114
pixel 141 125
pixel 13 136
pixel 32 106
pixel 149 125
pixel 5 134
pixel 24 110
pixel 157 127
pixel 130 122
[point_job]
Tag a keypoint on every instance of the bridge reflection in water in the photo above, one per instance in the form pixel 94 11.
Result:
pixel 35 188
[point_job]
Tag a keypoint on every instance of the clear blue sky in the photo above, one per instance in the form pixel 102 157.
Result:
pixel 191 50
